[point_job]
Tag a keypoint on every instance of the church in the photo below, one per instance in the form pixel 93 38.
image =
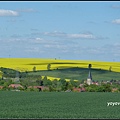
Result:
pixel 89 79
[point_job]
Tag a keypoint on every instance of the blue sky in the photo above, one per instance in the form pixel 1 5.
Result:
pixel 62 30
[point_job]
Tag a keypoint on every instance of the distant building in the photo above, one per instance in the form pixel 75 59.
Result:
pixel 81 85
pixel 1 87
pixel 115 90
pixel 15 86
pixel 95 83
pixel 89 79
pixel 82 89
pixel 76 89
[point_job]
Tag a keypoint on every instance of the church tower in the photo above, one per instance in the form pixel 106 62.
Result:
pixel 89 79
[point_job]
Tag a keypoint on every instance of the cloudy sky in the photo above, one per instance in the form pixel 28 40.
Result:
pixel 62 30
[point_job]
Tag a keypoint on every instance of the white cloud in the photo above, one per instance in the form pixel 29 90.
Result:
pixel 39 39
pixel 56 46
pixel 72 36
pixel 55 34
pixel 116 21
pixel 76 36
pixel 44 41
pixel 8 13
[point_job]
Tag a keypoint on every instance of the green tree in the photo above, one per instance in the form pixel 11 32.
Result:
pixel 45 78
pixel 24 87
pixel 10 82
pixel 39 80
pixel 74 83
pixel 63 81
pixel 100 89
pixel 2 82
pixel 51 88
pixel 47 82
pixel 91 88
pixel 5 86
pixel 59 86
pixel 34 69
pixel 110 68
pixel 107 87
pixel 70 86
pixel 1 74
pixel 90 65
pixel 64 84
pixel 49 66
pixel 54 83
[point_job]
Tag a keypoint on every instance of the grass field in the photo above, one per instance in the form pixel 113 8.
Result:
pixel 58 105
pixel 27 64
pixel 78 74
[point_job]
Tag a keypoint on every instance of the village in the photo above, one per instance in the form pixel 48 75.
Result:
pixel 46 85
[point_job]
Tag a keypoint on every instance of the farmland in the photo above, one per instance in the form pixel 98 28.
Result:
pixel 58 105
pixel 65 69
pixel 27 64
pixel 77 74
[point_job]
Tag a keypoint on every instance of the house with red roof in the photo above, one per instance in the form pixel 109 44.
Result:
pixel 15 85
pixel 1 87
pixel 82 89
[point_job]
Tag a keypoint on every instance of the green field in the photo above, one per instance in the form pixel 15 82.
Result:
pixel 79 74
pixel 58 105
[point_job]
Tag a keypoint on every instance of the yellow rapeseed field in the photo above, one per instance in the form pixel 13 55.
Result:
pixel 27 64
pixel 55 78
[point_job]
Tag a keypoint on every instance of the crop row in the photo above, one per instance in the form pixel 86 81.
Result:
pixel 58 105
